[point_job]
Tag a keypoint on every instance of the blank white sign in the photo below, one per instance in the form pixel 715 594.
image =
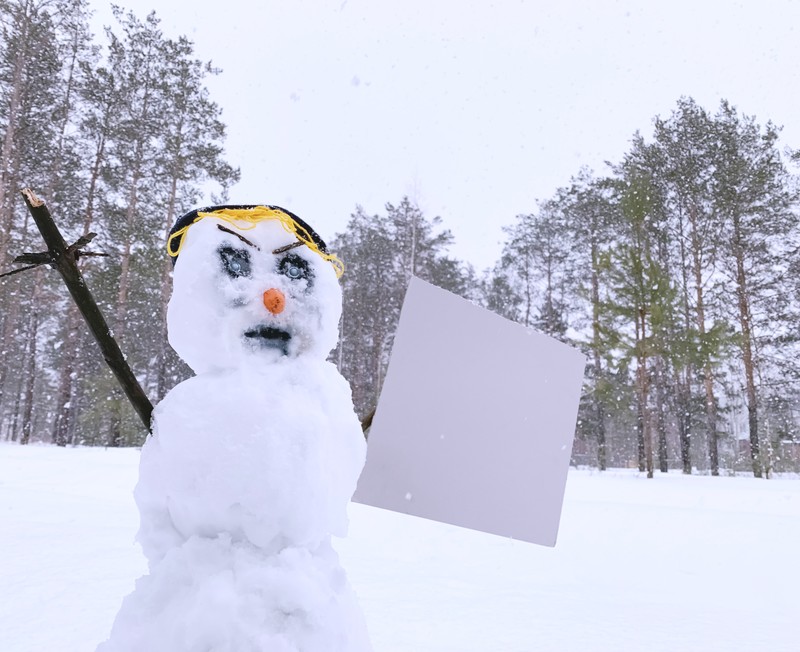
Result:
pixel 475 421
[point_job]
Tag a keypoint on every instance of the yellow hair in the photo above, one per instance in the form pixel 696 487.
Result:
pixel 245 219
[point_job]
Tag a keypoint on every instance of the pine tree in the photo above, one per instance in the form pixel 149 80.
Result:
pixel 534 265
pixel 116 145
pixel 30 117
pixel 589 215
pixel 65 191
pixel 679 161
pixel 192 154
pixel 751 192
pixel 381 253
pixel 371 288
pixel 97 100
pixel 640 294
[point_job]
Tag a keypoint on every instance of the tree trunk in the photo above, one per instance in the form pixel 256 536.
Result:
pixel 9 170
pixel 640 425
pixel 684 420
pixel 711 415
pixel 120 323
pixel 641 405
pixel 9 177
pixel 528 294
pixel 684 383
pixel 643 382
pixel 15 421
pixel 644 447
pixel 30 363
pixel 125 261
pixel 600 422
pixel 10 149
pixel 708 372
pixel 745 323
pixel 68 371
pixel 661 426
pixel 11 318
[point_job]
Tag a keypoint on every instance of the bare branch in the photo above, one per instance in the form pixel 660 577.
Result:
pixel 63 258
pixel 21 269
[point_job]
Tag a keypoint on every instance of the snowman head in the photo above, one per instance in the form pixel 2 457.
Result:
pixel 251 285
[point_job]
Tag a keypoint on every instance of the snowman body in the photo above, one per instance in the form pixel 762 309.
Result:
pixel 253 461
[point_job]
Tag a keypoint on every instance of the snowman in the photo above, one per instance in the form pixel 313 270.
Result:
pixel 252 462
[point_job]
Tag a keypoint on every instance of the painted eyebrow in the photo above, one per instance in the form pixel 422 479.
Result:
pixel 241 237
pixel 280 250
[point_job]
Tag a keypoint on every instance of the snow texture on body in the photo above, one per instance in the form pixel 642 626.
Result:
pixel 252 462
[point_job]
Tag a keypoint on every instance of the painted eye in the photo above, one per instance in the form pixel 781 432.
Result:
pixel 235 262
pixel 294 267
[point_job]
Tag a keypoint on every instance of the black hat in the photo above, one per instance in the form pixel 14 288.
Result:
pixel 187 219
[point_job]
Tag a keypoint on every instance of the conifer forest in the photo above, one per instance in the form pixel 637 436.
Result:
pixel 676 269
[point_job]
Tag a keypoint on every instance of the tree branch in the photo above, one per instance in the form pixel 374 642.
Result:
pixel 21 269
pixel 63 258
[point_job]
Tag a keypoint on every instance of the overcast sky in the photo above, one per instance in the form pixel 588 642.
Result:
pixel 473 109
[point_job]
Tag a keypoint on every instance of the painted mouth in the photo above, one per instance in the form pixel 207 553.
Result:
pixel 269 338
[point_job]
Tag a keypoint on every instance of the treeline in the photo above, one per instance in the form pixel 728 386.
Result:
pixel 676 271
pixel 678 275
pixel 119 136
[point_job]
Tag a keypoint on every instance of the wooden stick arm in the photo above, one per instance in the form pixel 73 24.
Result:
pixel 63 258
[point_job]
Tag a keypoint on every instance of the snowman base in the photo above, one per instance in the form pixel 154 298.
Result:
pixel 219 595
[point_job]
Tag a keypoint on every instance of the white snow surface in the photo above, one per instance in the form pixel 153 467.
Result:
pixel 676 563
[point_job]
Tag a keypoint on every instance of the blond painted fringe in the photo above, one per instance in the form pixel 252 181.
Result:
pixel 245 219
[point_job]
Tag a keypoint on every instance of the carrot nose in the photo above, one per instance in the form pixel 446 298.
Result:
pixel 274 301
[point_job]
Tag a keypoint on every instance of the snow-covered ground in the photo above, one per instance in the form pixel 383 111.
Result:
pixel 674 563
